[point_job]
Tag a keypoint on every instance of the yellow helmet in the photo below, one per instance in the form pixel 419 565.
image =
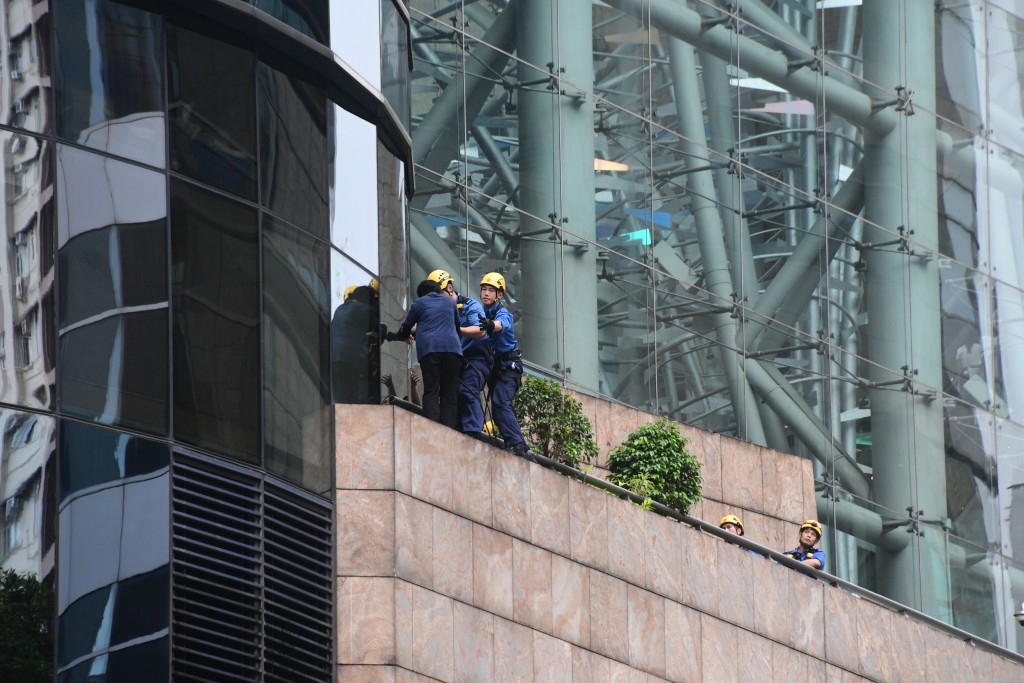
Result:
pixel 495 280
pixel 732 519
pixel 812 524
pixel 348 292
pixel 375 285
pixel 491 429
pixel 441 277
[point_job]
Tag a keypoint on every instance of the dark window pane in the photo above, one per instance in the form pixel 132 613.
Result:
pixel 293 149
pixel 215 303
pixel 307 16
pixel 355 358
pixel 109 76
pixel 296 361
pixel 90 456
pixel 143 662
pixel 211 93
pixel 394 59
pixel 114 371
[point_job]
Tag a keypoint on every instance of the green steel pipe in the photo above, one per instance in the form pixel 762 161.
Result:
pixel 717 277
pixel 762 61
pixel 556 190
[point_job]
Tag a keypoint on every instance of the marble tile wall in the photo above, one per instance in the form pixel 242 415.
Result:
pixel 459 562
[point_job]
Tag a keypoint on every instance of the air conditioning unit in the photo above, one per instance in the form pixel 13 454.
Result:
pixel 15 75
pixel 17 144
pixel 19 107
pixel 19 291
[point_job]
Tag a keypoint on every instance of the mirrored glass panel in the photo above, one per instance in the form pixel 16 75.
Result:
pixel 353 193
pixel 112 239
pixel 110 66
pixel 113 554
pixel 355 37
pixel 394 60
pixel 355 320
pixel 27 276
pixel 215 313
pixel 212 111
pixel 28 490
pixel 293 149
pixel 296 356
pixel 25 77
pixel 308 17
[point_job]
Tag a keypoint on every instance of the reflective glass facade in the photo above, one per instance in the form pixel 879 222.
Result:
pixel 189 192
pixel 799 224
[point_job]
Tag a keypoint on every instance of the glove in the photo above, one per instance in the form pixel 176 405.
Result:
pixel 486 324
pixel 390 336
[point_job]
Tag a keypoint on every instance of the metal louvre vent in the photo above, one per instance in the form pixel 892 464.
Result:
pixel 252 583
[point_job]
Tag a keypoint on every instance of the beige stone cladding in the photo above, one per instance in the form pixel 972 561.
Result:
pixel 459 562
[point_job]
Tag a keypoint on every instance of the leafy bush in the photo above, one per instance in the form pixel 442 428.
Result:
pixel 553 421
pixel 26 641
pixel 656 455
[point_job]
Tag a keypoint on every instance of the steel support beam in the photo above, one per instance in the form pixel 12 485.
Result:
pixel 556 190
pixel 902 295
pixel 717 277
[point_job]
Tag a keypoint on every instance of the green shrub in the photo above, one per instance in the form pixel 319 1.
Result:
pixel 553 421
pixel 656 455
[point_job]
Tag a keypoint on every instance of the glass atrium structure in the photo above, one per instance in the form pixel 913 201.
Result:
pixel 797 222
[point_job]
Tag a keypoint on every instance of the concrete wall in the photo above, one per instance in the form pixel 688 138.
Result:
pixel 458 562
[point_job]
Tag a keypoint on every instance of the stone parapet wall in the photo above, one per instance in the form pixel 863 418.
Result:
pixel 772 492
pixel 459 562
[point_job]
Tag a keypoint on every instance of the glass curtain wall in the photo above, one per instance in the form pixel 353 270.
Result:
pixel 800 224
pixel 181 204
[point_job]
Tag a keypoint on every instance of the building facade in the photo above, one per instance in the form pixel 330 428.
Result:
pixel 794 222
pixel 192 189
pixel 797 222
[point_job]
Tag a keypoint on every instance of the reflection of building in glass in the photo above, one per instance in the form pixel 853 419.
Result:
pixel 795 223
pixel 171 243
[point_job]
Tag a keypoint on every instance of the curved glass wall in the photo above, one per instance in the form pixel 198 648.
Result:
pixel 179 199
pixel 799 225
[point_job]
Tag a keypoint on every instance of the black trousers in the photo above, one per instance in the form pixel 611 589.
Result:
pixel 441 373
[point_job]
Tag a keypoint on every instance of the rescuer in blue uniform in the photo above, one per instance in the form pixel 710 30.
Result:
pixel 507 369
pixel 476 349
pixel 810 533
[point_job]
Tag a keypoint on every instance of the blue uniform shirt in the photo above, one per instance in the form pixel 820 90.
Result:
pixel 436 320
pixel 469 316
pixel 799 554
pixel 503 341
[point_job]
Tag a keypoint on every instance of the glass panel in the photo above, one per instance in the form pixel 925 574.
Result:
pixel 27 491
pixel 355 37
pixel 25 78
pixel 112 237
pixel 306 16
pixel 211 93
pixel 355 352
pixel 215 308
pixel 109 64
pixel 26 276
pixel 296 356
pixel 293 149
pixel 354 188
pixel 113 549
pixel 146 661
pixel 395 55
pixel 1004 73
